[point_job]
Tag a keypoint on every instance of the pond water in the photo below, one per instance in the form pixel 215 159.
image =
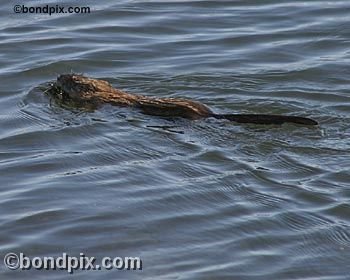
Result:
pixel 205 199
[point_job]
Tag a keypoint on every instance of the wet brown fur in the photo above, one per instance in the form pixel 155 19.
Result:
pixel 86 90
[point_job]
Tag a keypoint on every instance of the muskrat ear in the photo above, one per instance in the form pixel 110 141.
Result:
pixel 65 76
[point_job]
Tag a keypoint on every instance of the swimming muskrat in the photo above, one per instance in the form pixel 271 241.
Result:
pixel 84 90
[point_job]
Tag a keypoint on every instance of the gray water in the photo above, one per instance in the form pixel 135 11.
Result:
pixel 204 199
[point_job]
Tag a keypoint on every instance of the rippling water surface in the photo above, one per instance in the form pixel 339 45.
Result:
pixel 203 199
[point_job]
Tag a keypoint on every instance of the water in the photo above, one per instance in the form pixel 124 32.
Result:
pixel 203 199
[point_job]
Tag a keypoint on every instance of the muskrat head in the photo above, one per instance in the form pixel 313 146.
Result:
pixel 78 86
pixel 75 86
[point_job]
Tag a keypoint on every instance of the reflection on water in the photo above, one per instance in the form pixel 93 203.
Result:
pixel 204 199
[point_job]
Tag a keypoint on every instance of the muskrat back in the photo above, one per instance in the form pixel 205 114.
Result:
pixel 93 91
pixel 83 89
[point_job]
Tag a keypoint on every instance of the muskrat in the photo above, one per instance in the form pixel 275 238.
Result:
pixel 84 90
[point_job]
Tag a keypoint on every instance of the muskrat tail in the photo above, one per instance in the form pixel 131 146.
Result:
pixel 265 119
